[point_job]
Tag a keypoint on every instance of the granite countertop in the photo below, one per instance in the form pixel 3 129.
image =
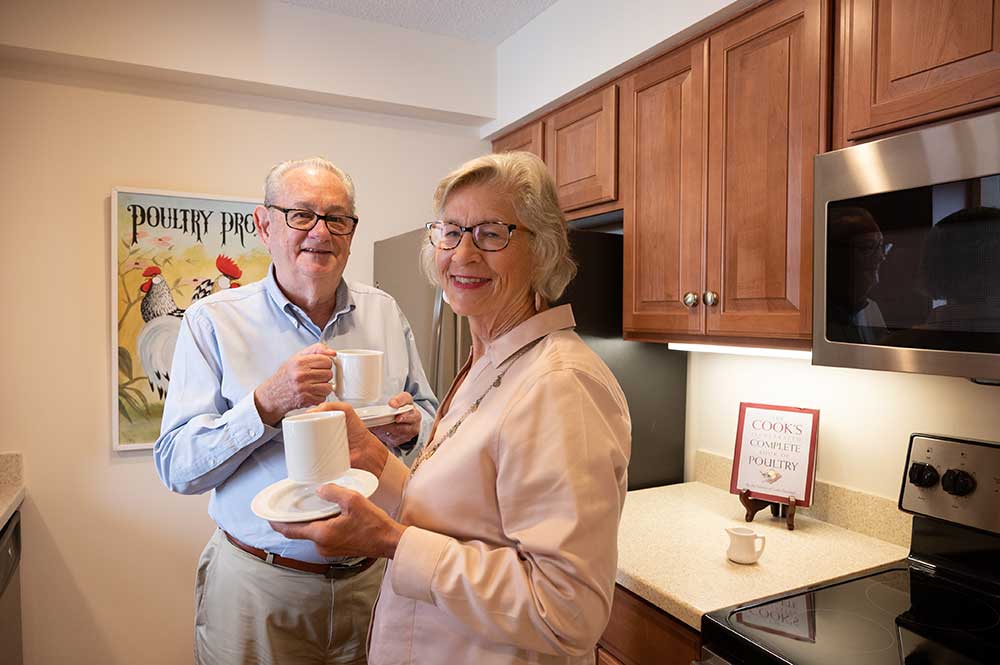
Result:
pixel 11 485
pixel 672 551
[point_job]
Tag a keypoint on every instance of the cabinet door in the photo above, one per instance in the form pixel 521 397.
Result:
pixel 605 658
pixel 640 633
pixel 663 144
pixel 581 149
pixel 528 139
pixel 912 61
pixel 766 96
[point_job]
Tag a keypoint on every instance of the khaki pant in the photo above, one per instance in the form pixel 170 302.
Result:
pixel 248 612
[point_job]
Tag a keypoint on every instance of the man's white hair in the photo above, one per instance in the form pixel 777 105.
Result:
pixel 272 185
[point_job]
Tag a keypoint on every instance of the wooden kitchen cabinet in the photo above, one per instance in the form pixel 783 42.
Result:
pixel 602 657
pixel 906 62
pixel 579 144
pixel 529 139
pixel 767 98
pixel 640 633
pixel 581 149
pixel 663 140
pixel 718 144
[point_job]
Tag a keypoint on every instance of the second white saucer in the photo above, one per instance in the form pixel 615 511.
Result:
pixel 289 501
pixel 380 414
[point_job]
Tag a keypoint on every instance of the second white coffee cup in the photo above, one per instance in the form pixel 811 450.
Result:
pixel 316 449
pixel 357 375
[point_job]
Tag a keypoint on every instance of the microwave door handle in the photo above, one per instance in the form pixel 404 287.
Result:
pixel 436 326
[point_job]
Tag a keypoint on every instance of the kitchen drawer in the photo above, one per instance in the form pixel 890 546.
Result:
pixel 640 633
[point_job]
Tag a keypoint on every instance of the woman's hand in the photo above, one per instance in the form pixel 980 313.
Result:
pixel 361 528
pixel 367 452
pixel 404 428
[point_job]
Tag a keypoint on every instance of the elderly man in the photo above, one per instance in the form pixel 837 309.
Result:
pixel 245 358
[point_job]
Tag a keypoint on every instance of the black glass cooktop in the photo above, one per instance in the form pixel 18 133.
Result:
pixel 902 616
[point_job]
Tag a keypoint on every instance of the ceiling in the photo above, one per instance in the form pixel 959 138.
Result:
pixel 488 21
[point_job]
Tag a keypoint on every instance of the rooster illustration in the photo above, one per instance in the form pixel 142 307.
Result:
pixel 158 337
pixel 229 273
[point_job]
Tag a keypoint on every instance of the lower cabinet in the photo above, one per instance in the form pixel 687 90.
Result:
pixel 605 658
pixel 640 633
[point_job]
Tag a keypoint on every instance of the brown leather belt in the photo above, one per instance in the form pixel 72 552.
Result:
pixel 333 571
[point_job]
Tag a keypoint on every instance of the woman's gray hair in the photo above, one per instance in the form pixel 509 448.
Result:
pixel 525 179
pixel 272 184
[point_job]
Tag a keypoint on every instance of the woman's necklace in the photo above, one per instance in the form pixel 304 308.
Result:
pixel 430 449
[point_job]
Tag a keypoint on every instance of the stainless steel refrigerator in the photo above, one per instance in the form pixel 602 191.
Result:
pixel 442 337
pixel 653 378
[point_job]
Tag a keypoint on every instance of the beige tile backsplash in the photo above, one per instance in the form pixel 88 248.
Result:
pixel 11 469
pixel 865 513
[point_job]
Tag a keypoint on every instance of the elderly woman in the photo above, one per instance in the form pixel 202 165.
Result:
pixel 503 534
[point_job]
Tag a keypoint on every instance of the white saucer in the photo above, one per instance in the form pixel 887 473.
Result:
pixel 289 501
pixel 380 414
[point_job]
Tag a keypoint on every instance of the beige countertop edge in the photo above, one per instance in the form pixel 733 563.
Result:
pixel 672 544
pixel 691 615
pixel 11 497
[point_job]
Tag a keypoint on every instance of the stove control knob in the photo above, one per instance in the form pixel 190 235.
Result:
pixel 923 475
pixel 958 482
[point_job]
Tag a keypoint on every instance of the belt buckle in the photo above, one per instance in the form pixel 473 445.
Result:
pixel 336 571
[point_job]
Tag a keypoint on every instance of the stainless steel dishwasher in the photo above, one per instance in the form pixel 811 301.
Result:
pixel 10 592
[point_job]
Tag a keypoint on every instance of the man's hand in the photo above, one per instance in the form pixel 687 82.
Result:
pixel 302 381
pixel 361 528
pixel 405 427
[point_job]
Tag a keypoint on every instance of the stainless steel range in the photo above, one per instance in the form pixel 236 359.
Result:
pixel 941 607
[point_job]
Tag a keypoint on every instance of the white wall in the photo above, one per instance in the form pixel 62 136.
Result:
pixel 574 41
pixel 866 416
pixel 268 43
pixel 109 553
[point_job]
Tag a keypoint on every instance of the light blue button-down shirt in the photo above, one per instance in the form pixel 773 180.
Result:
pixel 212 437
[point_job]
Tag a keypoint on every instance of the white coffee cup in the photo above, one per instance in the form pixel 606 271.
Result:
pixel 316 449
pixel 357 375
pixel 743 545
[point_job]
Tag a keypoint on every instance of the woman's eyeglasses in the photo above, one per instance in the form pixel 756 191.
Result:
pixel 488 236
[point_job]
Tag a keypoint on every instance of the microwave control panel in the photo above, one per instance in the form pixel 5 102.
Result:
pixel 954 480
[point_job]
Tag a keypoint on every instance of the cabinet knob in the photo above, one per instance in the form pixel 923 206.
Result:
pixel 710 298
pixel 690 299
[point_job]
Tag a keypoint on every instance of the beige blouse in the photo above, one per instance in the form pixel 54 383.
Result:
pixel 511 549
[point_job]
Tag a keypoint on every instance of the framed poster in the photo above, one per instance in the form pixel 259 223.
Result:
pixel 168 250
pixel 775 453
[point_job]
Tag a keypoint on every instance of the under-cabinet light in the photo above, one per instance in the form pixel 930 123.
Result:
pixel 742 350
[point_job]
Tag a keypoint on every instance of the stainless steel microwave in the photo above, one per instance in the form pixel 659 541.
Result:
pixel 907 252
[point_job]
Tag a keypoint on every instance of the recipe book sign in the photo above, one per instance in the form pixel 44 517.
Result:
pixel 775 453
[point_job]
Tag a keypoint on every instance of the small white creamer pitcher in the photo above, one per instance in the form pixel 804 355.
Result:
pixel 743 546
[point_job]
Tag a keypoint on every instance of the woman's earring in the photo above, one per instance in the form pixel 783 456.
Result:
pixel 539 302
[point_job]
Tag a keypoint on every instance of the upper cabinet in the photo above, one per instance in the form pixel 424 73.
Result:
pixel 718 141
pixel 582 149
pixel 766 122
pixel 579 143
pixel 907 62
pixel 528 139
pixel 664 152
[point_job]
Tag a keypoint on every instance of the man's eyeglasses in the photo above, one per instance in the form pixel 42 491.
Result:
pixel 488 236
pixel 301 219
pixel 871 247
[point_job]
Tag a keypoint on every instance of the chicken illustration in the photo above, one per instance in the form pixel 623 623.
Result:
pixel 158 336
pixel 229 273
pixel 770 476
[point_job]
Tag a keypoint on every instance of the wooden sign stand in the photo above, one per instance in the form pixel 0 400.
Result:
pixel 754 506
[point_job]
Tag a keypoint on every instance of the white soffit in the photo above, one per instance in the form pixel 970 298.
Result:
pixel 488 21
